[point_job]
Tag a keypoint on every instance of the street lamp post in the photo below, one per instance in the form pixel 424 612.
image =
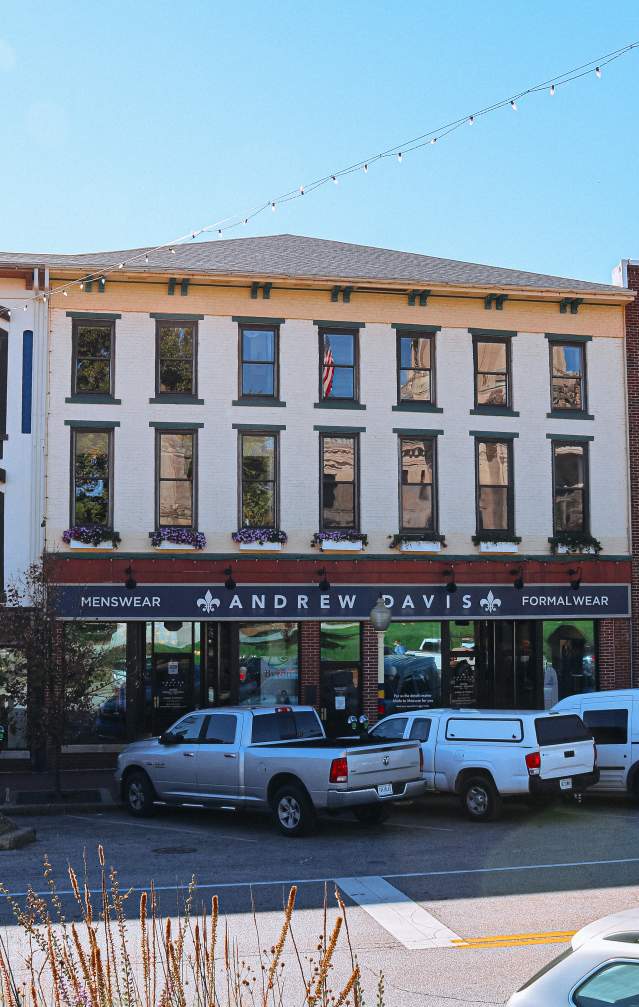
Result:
pixel 380 617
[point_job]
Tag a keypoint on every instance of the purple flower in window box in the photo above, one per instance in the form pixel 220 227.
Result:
pixel 338 535
pixel 178 536
pixel 91 534
pixel 259 536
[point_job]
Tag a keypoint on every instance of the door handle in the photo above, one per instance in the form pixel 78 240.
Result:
pixel 188 755
pixel 230 755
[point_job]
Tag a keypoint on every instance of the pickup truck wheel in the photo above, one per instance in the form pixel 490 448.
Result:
pixel 138 794
pixel 372 814
pixel 480 799
pixel 293 810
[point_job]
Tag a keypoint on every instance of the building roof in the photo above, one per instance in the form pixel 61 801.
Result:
pixel 296 256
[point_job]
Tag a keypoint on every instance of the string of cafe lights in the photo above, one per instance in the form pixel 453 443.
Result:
pixel 398 152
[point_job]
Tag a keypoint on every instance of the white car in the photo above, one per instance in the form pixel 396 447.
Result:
pixel 599 969
pixel 484 755
pixel 613 717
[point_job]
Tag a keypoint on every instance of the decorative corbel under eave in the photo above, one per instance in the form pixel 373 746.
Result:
pixel 171 286
pixel 345 293
pixel 496 299
pixel 421 295
pixel 264 287
pixel 570 302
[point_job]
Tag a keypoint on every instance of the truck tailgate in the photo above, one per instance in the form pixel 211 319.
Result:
pixel 565 746
pixel 390 763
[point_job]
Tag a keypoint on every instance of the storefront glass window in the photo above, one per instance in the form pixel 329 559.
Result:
pixel 13 714
pixel 339 641
pixel 340 675
pixel 268 663
pixel 464 685
pixel 569 663
pixel 100 716
pixel 412 666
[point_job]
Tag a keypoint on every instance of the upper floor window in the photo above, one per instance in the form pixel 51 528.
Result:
pixel 258 490
pixel 492 372
pixel 339 506
pixel 175 490
pixel 93 357
pixel 91 476
pixel 417 496
pixel 258 363
pixel 568 382
pixel 416 368
pixel 570 486
pixel 495 510
pixel 338 365
pixel 176 344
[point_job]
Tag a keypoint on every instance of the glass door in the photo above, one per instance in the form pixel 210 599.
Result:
pixel 173 671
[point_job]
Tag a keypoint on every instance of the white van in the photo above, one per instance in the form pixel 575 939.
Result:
pixel 484 755
pixel 613 718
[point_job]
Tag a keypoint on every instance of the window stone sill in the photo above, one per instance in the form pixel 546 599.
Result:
pixel 492 411
pixel 256 400
pixel 416 407
pixel 337 404
pixel 568 414
pixel 101 400
pixel 177 400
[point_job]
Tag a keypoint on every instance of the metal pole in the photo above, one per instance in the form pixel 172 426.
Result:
pixel 380 667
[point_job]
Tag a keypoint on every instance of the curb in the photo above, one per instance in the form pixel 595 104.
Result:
pixel 106 803
pixel 14 840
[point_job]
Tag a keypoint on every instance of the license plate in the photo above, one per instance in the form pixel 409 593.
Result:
pixel 565 784
pixel 385 790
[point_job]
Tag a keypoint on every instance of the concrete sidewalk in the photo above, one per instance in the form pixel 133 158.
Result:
pixel 27 793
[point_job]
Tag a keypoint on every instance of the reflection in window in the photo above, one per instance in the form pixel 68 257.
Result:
pixel 567 376
pixel 13 699
pixel 176 359
pixel 259 480
pixel 339 481
pixel 569 659
pixel 493 485
pixel 416 488
pixel 412 666
pixel 462 664
pixel 258 371
pixel 268 663
pixel 338 377
pixel 91 496
pixel 491 375
pixel 616 983
pixel 92 366
pixel 415 368
pixel 175 490
pixel 340 641
pixel 100 717
pixel 569 477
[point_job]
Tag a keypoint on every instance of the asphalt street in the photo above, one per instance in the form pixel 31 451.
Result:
pixel 451 911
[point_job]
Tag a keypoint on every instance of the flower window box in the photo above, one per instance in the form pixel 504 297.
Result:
pixel 340 541
pixel 429 542
pixel 260 539
pixel 177 539
pixel 91 537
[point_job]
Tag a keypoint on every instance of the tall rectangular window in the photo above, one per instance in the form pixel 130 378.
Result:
pixel 415 368
pixel 339 490
pixel 417 484
pixel 258 362
pixel 492 373
pixel 176 455
pixel 570 486
pixel 338 365
pixel 91 477
pixel 176 346
pixel 258 503
pixel 495 510
pixel 93 357
pixel 568 380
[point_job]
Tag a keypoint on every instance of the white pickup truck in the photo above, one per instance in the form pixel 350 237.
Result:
pixel 485 755
pixel 275 759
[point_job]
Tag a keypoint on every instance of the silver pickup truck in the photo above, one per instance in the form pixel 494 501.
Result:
pixel 276 759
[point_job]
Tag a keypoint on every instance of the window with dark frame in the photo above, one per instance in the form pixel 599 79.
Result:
pixel 91 477
pixel 415 370
pixel 568 373
pixel 93 357
pixel 338 365
pixel 176 454
pixel 495 512
pixel 570 486
pixel 258 487
pixel 258 361
pixel 417 484
pixel 176 344
pixel 339 507
pixel 492 372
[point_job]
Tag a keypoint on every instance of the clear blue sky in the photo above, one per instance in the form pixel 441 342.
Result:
pixel 128 123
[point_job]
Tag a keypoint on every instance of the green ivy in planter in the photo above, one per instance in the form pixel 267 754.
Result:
pixel 495 536
pixel 575 541
pixel 399 537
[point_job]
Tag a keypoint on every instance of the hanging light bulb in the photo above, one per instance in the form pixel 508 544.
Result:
pixel 552 90
pixel 273 207
pixel 513 104
pixel 301 190
pixel 399 157
pixel 434 140
pixel 365 168
pixel 64 293
pixel 598 72
pixel 120 265
pixel 471 120
pixel 245 220
pixel 335 179
pixel 81 284
pixel 172 251
pixel 146 258
pixel 219 230
pixel 26 307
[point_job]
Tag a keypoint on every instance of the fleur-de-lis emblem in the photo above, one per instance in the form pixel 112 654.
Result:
pixel 490 603
pixel 208 603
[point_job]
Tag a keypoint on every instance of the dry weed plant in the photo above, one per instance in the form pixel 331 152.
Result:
pixel 193 962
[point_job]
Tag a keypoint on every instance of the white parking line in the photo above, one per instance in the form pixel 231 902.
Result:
pixel 168 828
pixel 422 828
pixel 321 881
pixel 402 918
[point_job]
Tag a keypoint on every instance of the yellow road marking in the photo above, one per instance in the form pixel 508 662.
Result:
pixel 515 940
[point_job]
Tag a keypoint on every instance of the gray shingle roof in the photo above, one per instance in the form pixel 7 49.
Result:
pixel 291 255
